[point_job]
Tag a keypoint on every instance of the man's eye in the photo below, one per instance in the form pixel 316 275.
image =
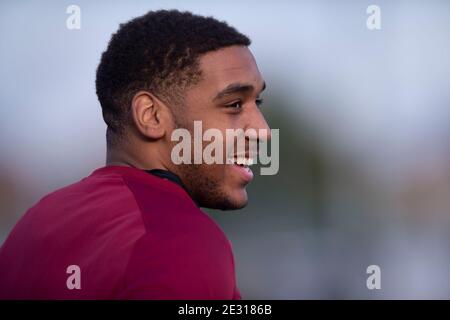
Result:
pixel 259 102
pixel 235 105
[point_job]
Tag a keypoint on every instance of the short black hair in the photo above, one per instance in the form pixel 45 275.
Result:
pixel 157 52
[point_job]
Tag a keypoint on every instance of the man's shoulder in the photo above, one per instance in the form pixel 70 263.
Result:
pixel 111 187
pixel 93 224
pixel 87 201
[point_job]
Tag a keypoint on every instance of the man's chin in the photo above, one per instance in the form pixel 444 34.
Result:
pixel 235 201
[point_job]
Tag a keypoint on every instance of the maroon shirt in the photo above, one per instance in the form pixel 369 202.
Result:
pixel 133 236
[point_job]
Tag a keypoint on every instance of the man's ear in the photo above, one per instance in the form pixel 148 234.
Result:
pixel 150 116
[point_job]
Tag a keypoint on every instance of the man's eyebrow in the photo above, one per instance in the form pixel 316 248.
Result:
pixel 236 88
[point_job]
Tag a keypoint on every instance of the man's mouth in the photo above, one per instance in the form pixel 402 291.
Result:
pixel 243 161
pixel 243 164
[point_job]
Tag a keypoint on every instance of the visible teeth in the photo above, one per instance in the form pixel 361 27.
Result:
pixel 244 161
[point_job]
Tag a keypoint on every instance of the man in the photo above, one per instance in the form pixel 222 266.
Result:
pixel 133 229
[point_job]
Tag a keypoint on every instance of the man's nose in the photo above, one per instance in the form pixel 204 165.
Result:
pixel 258 123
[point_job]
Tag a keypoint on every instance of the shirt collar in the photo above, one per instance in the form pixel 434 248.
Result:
pixel 165 174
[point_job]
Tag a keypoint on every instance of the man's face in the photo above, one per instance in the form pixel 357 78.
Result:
pixel 227 97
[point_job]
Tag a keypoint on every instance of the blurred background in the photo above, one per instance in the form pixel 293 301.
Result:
pixel 364 121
